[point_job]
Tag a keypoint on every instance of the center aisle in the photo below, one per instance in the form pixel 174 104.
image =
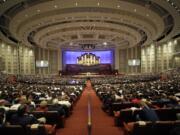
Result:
pixel 76 124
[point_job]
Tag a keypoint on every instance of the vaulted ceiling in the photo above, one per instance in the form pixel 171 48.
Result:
pixel 103 23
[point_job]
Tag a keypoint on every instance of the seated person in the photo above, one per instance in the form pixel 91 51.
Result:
pixel 2 117
pixel 3 103
pixel 42 107
pixel 147 114
pixel 24 119
pixel 57 107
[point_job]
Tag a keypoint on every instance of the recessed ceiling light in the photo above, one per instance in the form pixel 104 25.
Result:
pixel 71 43
pixel 118 6
pixel 55 6
pixel 175 41
pixel 98 3
pixel 147 14
pixel 134 10
pixel 38 10
pixel 105 43
pixel 76 3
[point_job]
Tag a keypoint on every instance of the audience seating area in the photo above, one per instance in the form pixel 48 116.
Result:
pixel 19 130
pixel 157 128
pixel 123 102
pixel 125 98
pixel 52 102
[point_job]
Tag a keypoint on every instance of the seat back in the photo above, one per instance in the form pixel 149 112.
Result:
pixel 37 131
pixel 9 114
pixel 157 128
pixel 12 129
pixel 147 129
pixel 52 117
pixel 163 127
pixel 167 114
pixel 128 115
pixel 117 106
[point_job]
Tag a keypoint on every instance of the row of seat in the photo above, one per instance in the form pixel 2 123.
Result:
pixel 52 117
pixel 157 128
pixel 129 115
pixel 19 130
pixel 117 106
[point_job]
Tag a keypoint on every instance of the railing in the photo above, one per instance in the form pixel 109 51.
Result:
pixel 89 124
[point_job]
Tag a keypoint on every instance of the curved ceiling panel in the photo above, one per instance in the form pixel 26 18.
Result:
pixel 104 23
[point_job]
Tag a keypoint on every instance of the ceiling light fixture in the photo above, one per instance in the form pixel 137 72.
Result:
pixel 71 43
pixel 105 43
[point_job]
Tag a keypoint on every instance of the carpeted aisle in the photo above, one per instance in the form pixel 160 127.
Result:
pixel 76 124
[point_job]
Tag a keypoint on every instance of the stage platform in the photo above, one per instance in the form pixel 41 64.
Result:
pixel 75 69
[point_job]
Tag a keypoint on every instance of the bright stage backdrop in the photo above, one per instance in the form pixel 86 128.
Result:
pixel 106 57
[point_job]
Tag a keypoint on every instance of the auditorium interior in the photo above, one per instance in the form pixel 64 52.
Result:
pixel 90 67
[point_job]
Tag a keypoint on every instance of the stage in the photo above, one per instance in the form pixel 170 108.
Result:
pixel 93 70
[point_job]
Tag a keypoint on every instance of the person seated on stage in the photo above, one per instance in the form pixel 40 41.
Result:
pixel 42 107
